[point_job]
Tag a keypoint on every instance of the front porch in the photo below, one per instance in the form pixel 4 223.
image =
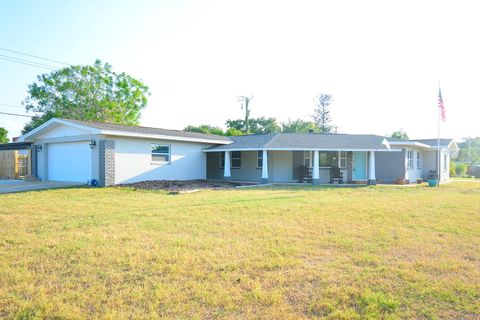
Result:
pixel 286 166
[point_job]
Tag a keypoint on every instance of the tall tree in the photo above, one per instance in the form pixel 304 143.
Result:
pixel 299 126
pixel 3 135
pixel 321 113
pixel 400 135
pixel 94 93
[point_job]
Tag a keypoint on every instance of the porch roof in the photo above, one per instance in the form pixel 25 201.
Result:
pixel 305 141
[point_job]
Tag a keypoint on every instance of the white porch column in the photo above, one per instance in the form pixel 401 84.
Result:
pixel 316 168
pixel 265 166
pixel 226 166
pixel 371 168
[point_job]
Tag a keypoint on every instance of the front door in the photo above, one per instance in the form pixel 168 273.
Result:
pixel 359 166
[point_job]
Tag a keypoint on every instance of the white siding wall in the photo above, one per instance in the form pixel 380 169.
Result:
pixel 133 161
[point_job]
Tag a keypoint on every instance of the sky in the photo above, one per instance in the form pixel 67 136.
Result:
pixel 383 61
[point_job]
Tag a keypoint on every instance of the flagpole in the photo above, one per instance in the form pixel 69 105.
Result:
pixel 438 150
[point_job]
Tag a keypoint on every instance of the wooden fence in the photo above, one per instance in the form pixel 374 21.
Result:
pixel 15 164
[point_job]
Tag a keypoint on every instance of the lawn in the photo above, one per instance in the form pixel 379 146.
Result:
pixel 272 253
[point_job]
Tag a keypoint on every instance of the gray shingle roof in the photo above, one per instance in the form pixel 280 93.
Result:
pixel 433 142
pixel 148 130
pixel 305 141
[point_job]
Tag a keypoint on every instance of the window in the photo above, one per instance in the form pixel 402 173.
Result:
pixel 222 160
pixel 409 159
pixel 419 162
pixel 307 159
pixel 236 159
pixel 259 159
pixel 343 159
pixel 161 153
pixel 328 159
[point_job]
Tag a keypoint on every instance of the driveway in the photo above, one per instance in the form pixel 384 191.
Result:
pixel 10 186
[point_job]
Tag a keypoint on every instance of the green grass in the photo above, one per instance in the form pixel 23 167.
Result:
pixel 271 253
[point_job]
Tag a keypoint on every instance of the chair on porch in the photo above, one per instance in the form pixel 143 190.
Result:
pixel 336 175
pixel 304 174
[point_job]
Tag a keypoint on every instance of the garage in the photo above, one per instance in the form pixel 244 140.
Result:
pixel 70 161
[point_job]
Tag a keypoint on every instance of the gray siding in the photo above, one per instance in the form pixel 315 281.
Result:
pixel 282 163
pixel 297 162
pixel 279 167
pixel 248 171
pixel 390 166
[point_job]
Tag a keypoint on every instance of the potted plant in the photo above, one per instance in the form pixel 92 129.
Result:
pixel 432 179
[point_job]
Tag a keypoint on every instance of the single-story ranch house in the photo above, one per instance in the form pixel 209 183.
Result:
pixel 80 151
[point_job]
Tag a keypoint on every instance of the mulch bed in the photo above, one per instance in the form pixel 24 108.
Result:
pixel 182 185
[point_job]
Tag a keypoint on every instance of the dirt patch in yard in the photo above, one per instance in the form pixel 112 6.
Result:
pixel 182 185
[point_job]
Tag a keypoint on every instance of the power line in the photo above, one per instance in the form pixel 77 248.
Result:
pixel 27 62
pixel 34 56
pixel 16 114
pixel 11 105
pixel 33 64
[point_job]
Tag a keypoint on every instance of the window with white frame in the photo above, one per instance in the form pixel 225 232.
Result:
pixel 259 159
pixel 161 153
pixel 307 159
pixel 236 159
pixel 342 155
pixel 419 160
pixel 409 159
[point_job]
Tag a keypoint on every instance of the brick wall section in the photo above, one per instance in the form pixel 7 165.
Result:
pixel 106 163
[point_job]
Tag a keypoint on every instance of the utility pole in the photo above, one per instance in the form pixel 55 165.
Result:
pixel 469 150
pixel 245 101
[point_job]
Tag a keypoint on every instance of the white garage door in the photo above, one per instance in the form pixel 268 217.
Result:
pixel 70 161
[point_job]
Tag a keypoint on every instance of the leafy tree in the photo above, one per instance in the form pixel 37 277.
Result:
pixel 205 128
pixel 299 126
pixel 234 132
pixel 3 135
pixel 236 124
pixel 460 169
pixel 321 114
pixel 469 151
pixel 94 93
pixel 256 125
pixel 453 168
pixel 264 125
pixel 400 134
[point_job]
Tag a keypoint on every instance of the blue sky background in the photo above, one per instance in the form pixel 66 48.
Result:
pixel 381 61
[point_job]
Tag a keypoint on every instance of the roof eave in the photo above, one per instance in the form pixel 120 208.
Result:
pixel 161 137
pixel 299 149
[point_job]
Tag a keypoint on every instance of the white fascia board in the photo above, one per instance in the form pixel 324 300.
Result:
pixel 161 137
pixel 52 122
pixel 37 129
pixel 299 149
pixel 413 144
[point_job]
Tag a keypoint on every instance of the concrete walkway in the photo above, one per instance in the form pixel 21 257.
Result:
pixel 11 186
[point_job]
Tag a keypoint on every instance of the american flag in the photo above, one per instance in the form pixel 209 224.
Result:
pixel 441 106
